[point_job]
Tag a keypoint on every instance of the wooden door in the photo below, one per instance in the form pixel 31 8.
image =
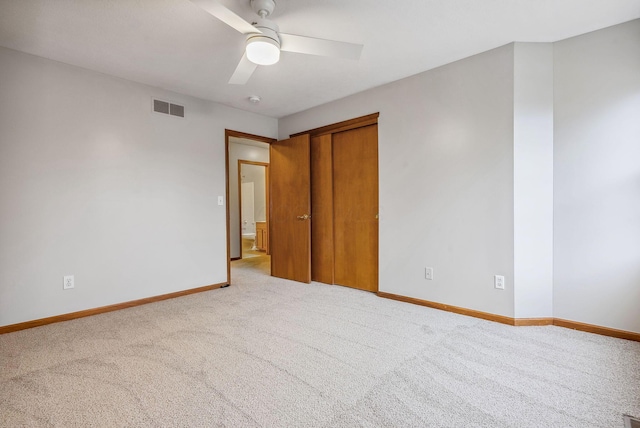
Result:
pixel 322 209
pixel 355 187
pixel 290 209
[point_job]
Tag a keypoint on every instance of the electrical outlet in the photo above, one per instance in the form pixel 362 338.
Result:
pixel 498 282
pixel 68 282
pixel 428 273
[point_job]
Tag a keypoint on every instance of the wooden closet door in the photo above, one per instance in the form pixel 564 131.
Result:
pixel 322 259
pixel 355 189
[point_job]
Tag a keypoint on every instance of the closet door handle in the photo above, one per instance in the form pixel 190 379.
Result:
pixel 303 217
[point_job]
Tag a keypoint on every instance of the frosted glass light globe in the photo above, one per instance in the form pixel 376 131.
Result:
pixel 263 50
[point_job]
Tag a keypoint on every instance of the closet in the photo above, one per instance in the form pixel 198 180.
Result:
pixel 344 203
pixel 324 205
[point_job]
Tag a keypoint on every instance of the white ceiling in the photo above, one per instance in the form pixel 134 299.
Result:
pixel 175 45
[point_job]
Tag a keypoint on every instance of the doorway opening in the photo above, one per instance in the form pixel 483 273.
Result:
pixel 253 178
pixel 247 168
pixel 328 174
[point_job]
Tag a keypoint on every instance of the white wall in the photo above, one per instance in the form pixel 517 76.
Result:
pixel 256 152
pixel 446 164
pixel 533 180
pixel 257 175
pixel 597 177
pixel 92 183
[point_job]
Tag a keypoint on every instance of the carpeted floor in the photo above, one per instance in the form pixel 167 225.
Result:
pixel 274 353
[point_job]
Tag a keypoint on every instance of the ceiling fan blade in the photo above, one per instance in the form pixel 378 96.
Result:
pixel 322 47
pixel 243 72
pixel 227 16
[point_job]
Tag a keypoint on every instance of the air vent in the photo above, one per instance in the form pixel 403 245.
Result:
pixel 631 422
pixel 176 110
pixel 166 107
pixel 161 106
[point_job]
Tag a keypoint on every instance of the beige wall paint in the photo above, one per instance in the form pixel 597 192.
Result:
pixel 92 183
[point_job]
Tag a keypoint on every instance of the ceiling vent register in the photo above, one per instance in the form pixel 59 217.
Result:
pixel 166 107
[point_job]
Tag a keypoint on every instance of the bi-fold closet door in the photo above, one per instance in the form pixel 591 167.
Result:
pixel 344 207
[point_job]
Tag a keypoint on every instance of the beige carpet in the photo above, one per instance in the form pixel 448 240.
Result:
pixel 259 264
pixel 274 353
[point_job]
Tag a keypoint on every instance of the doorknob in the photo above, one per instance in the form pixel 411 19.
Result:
pixel 303 217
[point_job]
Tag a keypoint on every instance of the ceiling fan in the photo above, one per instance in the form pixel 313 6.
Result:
pixel 265 41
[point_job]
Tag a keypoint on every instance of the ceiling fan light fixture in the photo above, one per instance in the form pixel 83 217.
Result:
pixel 263 50
pixel 264 41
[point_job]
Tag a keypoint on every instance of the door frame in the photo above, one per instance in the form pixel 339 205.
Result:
pixel 227 134
pixel 266 191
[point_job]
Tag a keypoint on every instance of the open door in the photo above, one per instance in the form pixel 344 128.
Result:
pixel 290 206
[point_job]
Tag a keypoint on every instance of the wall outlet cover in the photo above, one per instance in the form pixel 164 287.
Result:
pixel 428 273
pixel 68 282
pixel 498 282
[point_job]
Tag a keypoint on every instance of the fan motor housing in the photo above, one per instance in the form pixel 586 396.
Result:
pixel 269 30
